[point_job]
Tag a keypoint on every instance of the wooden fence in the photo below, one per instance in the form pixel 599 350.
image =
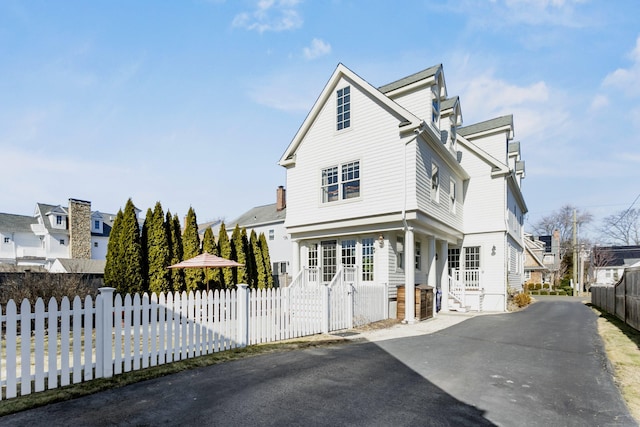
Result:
pixel 621 299
pixel 80 340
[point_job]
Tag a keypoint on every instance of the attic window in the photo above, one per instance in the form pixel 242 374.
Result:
pixel 96 225
pixel 58 219
pixel 344 107
pixel 435 104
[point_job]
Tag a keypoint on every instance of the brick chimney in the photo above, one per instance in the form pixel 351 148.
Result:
pixel 80 229
pixel 281 198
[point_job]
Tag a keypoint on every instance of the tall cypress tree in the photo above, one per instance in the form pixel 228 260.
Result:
pixel 260 280
pixel 224 246
pixel 266 259
pixel 190 248
pixel 175 236
pixel 246 249
pixel 158 252
pixel 133 280
pixel 144 243
pixel 113 271
pixel 212 275
pixel 238 254
pixel 252 273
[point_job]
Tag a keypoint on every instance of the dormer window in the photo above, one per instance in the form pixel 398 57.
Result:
pixel 59 219
pixel 96 225
pixel 435 183
pixel 452 132
pixel 343 97
pixel 435 105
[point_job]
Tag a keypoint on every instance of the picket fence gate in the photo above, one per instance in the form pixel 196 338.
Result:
pixel 86 339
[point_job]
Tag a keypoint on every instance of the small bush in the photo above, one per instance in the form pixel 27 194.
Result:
pixel 538 286
pixel 522 299
pixel 545 286
pixel 544 292
pixel 561 292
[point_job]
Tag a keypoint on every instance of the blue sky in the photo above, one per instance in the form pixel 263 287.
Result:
pixel 192 102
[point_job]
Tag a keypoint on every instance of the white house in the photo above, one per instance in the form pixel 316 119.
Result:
pixel 609 262
pixel 54 231
pixel 385 180
pixel 269 220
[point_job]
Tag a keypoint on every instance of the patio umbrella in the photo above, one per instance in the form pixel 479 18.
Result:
pixel 206 261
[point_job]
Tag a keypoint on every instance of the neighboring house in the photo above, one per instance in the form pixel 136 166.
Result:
pixel 608 262
pixel 85 266
pixel 385 180
pixel 54 231
pixel 535 271
pixel 269 219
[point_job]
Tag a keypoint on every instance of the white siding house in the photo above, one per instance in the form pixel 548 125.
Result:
pixel 269 220
pixel 386 181
pixel 40 239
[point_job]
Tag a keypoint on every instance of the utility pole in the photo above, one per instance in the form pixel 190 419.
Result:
pixel 575 256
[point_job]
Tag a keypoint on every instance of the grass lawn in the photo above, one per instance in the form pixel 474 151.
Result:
pixel 622 344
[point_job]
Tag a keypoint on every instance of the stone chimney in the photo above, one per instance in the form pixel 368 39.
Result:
pixel 80 229
pixel 281 198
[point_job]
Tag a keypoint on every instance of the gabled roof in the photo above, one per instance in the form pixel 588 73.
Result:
pixel 487 127
pixel 88 266
pixel 513 148
pixel 406 119
pixel 16 223
pixel 260 215
pixel 618 256
pixel 409 80
pixel 497 167
pixel 531 248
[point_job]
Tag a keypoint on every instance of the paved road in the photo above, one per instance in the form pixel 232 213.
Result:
pixel 543 366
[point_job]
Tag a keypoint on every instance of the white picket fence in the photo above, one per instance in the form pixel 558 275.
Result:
pixel 79 341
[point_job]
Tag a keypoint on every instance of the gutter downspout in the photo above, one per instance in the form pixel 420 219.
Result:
pixel 409 273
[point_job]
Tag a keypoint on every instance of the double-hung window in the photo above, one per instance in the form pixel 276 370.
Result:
pixel 435 183
pixel 341 182
pixel 343 97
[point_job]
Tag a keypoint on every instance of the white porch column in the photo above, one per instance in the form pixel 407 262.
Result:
pixel 295 258
pixel 432 280
pixel 443 250
pixel 409 278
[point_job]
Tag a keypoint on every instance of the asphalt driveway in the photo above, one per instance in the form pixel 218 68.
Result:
pixel 544 366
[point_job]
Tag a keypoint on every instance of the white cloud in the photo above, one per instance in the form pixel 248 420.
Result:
pixel 318 48
pixel 270 15
pixel 274 91
pixel 626 79
pixel 599 102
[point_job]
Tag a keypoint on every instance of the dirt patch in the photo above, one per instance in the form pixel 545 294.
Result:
pixel 382 324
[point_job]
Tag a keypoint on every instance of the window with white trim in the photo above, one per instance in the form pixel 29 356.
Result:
pixel 400 252
pixel 435 105
pixel 96 225
pixel 62 241
pixel 341 182
pixel 348 253
pixel 343 107
pixel 418 256
pixel 58 219
pixel 272 234
pixel 7 239
pixel 435 183
pixel 472 258
pixel 452 195
pixel 367 259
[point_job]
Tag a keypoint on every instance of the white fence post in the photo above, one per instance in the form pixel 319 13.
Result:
pixel 350 295
pixel 104 328
pixel 326 308
pixel 243 314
